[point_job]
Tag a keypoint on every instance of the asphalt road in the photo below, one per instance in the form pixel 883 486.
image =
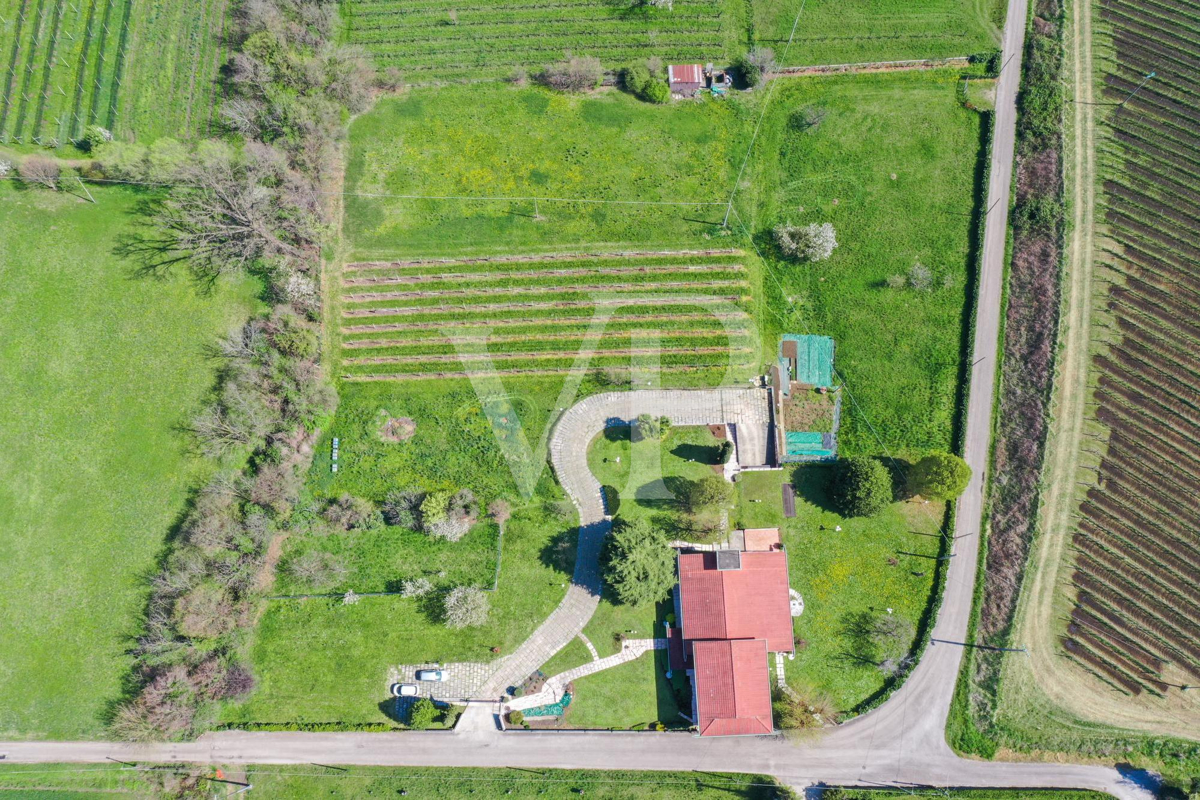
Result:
pixel 900 743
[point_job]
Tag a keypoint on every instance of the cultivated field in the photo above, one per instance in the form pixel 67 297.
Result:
pixel 69 64
pixel 476 39
pixel 100 370
pixel 1136 620
pixel 855 31
pixel 533 316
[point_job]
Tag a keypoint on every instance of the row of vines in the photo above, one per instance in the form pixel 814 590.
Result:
pixel 62 62
pixel 530 316
pixel 143 73
pixel 1136 619
pixel 488 39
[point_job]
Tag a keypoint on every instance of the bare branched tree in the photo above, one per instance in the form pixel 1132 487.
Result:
pixel 39 170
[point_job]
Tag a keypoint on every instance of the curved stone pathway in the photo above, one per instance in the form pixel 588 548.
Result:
pixel 745 411
pixel 555 686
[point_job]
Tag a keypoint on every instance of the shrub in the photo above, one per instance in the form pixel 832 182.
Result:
pixel 39 170
pixel 422 714
pixel 634 78
pixel 205 612
pixel 754 65
pixel 803 710
pixel 416 587
pixel 578 74
pixel 318 570
pixel 647 427
pixel 516 718
pixel 813 242
pixel 93 137
pixel 725 451
pixel 466 607
pixel 499 511
pixel 434 508
pixel 862 487
pixel 896 281
pixel 639 564
pixel 707 492
pixel 449 517
pixel 940 476
pixel 403 508
pixel 352 513
pixel 656 91
pixel 920 278
pixel 612 499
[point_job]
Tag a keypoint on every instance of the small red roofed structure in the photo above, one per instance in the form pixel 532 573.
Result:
pixel 685 79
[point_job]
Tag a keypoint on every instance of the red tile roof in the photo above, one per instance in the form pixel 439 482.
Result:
pixel 747 603
pixel 733 696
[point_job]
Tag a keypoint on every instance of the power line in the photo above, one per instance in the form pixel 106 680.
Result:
pixel 766 105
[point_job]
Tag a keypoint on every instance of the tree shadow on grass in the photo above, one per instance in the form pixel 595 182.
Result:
pixel 702 454
pixel 856 629
pixel 812 484
pixel 559 552
pixel 617 430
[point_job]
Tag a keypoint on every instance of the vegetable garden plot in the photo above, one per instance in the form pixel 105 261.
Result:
pixel 1137 610
pixel 526 315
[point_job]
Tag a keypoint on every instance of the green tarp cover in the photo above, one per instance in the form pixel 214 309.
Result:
pixel 814 359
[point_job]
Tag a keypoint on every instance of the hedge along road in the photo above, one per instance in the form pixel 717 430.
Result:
pixel 900 743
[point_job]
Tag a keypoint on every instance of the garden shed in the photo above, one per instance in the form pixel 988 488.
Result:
pixel 685 79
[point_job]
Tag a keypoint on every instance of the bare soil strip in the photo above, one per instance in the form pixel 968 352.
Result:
pixel 501 323
pixel 580 335
pixel 452 357
pixel 540 273
pixel 615 301
pixel 366 297
pixel 515 259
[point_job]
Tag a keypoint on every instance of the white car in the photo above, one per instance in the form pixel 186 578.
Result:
pixel 436 675
pixel 404 690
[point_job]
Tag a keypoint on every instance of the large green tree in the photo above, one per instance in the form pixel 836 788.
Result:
pixel 639 564
pixel 862 487
pixel 707 492
pixel 940 476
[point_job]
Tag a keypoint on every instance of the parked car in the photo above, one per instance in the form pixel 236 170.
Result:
pixel 436 675
pixel 404 690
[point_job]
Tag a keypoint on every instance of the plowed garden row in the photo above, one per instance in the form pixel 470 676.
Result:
pixel 1138 538
pixel 488 39
pixel 678 311
pixel 69 64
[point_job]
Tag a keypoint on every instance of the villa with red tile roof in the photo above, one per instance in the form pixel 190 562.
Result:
pixel 733 608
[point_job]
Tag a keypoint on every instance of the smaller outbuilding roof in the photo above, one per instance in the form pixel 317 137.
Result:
pixel 733 694
pixel 685 76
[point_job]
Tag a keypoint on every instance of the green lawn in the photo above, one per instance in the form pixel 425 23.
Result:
pixel 500 141
pixel 845 577
pixel 854 31
pixel 101 370
pixel 321 661
pixel 633 695
pixel 309 782
pixel 895 164
pixel 647 473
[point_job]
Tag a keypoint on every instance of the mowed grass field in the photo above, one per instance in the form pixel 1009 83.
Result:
pixel 141 72
pixel 896 165
pixel 477 39
pixel 504 142
pixel 857 31
pixel 100 370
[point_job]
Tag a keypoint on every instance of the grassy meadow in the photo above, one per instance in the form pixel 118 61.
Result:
pixel 894 162
pixel 501 141
pixel 309 782
pixel 101 369
pixel 856 31
pixel 847 578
